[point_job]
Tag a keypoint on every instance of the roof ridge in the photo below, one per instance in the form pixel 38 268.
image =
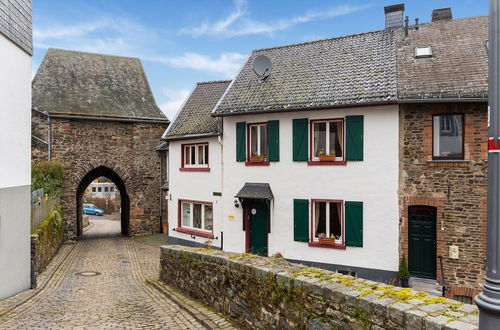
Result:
pixel 322 40
pixel 213 82
pixel 90 53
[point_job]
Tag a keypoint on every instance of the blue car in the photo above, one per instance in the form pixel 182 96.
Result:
pixel 92 209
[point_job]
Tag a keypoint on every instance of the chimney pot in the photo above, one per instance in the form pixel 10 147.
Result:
pixel 394 15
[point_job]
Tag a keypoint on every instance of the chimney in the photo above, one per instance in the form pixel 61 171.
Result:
pixel 394 15
pixel 441 14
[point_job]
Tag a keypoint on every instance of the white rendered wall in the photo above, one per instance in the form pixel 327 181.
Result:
pixel 15 168
pixel 373 181
pixel 198 186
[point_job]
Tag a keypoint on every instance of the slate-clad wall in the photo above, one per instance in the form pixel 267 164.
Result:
pixel 126 148
pixel 456 189
pixel 272 293
pixel 15 23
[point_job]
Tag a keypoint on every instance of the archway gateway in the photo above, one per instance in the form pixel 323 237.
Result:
pixel 125 201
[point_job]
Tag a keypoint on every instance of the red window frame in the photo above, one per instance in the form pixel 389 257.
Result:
pixel 183 167
pixel 189 230
pixel 311 134
pixel 314 243
pixel 266 159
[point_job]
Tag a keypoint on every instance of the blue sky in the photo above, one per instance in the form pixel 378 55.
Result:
pixel 182 42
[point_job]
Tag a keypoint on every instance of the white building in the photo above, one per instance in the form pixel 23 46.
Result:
pixel 15 147
pixel 195 169
pixel 102 190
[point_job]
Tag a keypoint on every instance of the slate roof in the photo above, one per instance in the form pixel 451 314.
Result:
pixel 255 191
pixel 458 67
pixel 93 84
pixel 194 117
pixel 15 23
pixel 356 69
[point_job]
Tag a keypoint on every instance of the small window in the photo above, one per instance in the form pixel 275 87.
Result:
pixel 448 136
pixel 195 155
pixel 327 221
pixel 99 189
pixel 258 142
pixel 93 189
pixel 423 51
pixel 111 189
pixel 197 216
pixel 106 189
pixel 328 140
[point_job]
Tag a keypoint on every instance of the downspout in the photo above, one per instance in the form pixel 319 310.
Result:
pixel 49 139
pixel 160 154
pixel 222 188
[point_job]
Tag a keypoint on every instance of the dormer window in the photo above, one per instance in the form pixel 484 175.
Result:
pixel 423 51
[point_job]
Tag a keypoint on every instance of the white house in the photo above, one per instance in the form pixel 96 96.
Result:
pixel 102 190
pixel 195 169
pixel 15 133
pixel 311 155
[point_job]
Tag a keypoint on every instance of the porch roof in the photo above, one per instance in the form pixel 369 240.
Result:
pixel 255 191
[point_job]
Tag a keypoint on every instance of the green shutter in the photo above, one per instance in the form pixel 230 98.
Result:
pixel 354 137
pixel 301 220
pixel 273 140
pixel 300 139
pixel 353 224
pixel 241 142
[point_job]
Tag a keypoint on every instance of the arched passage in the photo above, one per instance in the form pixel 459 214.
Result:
pixel 125 201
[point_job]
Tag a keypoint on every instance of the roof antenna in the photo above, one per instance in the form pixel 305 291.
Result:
pixel 406 26
pixel 416 23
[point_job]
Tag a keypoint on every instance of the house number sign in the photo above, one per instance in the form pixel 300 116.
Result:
pixel 254 211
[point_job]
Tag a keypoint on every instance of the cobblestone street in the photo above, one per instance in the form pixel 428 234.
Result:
pixel 116 298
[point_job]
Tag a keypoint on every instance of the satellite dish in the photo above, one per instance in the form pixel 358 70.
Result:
pixel 262 66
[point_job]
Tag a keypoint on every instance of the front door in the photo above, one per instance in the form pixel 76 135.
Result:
pixel 422 241
pixel 258 216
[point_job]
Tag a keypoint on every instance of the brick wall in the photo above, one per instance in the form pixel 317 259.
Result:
pixel 456 189
pixel 126 148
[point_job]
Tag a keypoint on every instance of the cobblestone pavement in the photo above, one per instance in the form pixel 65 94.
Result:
pixel 118 298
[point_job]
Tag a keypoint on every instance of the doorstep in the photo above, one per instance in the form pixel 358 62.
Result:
pixel 427 285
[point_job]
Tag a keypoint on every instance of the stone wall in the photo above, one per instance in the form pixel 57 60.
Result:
pixel 456 188
pixel 127 148
pixel 40 129
pixel 260 292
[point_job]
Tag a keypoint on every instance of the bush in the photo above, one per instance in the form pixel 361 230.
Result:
pixel 47 175
pixel 403 272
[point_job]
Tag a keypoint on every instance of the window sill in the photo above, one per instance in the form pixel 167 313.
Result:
pixel 194 169
pixel 194 232
pixel 448 163
pixel 317 162
pixel 336 246
pixel 256 163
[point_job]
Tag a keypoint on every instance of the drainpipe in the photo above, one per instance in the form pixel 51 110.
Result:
pixel 160 154
pixel 221 188
pixel 49 139
pixel 488 301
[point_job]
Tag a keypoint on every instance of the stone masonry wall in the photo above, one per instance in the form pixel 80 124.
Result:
pixel 39 128
pixel 456 188
pixel 259 292
pixel 126 148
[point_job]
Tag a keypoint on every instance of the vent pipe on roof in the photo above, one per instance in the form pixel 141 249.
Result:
pixel 394 15
pixel 441 14
pixel 407 20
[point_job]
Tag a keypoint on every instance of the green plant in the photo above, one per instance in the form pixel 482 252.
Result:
pixel 403 272
pixel 47 175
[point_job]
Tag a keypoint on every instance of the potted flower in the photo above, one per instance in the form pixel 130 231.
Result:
pixel 323 157
pixel 323 239
pixel 403 272
pixel 255 158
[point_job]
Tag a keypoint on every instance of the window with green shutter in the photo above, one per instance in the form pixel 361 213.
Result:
pixel 301 220
pixel 273 127
pixel 354 138
pixel 241 141
pixel 300 139
pixel 353 224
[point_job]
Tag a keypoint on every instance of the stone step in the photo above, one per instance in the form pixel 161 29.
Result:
pixel 426 285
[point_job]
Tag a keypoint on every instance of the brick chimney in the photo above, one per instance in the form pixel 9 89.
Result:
pixel 394 15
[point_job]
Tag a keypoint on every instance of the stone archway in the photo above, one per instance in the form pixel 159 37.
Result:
pixel 120 184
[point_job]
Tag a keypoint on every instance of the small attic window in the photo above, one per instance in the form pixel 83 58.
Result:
pixel 423 51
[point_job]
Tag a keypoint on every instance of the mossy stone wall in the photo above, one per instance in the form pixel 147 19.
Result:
pixel 47 239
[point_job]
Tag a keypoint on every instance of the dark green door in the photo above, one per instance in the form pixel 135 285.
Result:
pixel 422 241
pixel 259 215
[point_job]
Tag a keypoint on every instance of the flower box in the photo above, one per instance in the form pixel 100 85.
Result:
pixel 257 159
pixel 326 158
pixel 327 241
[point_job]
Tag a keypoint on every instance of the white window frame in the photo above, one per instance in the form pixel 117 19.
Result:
pixel 259 137
pixel 205 155
pixel 327 138
pixel 191 213
pixel 339 240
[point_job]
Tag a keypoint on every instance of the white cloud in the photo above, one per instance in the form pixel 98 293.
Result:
pixel 237 23
pixel 175 99
pixel 226 64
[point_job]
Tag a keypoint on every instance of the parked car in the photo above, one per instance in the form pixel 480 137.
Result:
pixel 92 209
